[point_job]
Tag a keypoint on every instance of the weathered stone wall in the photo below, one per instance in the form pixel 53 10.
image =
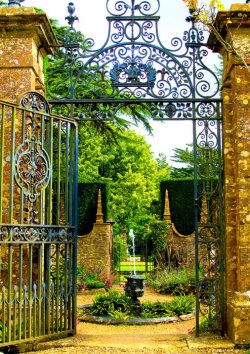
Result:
pixel 180 247
pixel 233 25
pixel 95 249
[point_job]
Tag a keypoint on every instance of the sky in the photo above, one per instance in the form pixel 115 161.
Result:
pixel 93 24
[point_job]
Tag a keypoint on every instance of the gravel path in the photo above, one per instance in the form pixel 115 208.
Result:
pixel 136 339
pixel 102 350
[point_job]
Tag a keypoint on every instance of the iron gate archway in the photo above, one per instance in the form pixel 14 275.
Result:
pixel 134 68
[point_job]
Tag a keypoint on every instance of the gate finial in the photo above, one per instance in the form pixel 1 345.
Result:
pixel 15 3
pixel 167 213
pixel 71 19
pixel 99 214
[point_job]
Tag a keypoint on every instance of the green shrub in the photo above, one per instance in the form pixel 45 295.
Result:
pixel 120 306
pixel 89 280
pixel 174 281
pixel 182 305
pixel 181 200
pixel 108 304
pixel 157 309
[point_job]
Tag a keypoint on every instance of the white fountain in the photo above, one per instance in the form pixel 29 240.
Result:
pixel 131 234
pixel 134 284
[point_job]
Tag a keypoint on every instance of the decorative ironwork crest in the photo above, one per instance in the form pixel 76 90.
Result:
pixel 133 64
pixel 32 167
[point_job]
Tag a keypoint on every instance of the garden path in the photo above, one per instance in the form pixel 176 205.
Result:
pixel 144 339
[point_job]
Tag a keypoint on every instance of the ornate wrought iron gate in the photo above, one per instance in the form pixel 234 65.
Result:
pixel 38 163
pixel 133 68
pixel 38 214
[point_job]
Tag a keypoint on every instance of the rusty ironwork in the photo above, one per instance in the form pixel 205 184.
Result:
pixel 37 250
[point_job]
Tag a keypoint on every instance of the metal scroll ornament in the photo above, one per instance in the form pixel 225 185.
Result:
pixel 133 7
pixel 32 168
pixel 32 163
pixel 132 64
pixel 36 102
pixel 130 74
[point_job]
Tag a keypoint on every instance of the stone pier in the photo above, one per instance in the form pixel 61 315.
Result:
pixel 25 39
pixel 234 27
pixel 95 250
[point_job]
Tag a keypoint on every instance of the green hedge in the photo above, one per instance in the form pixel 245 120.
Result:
pixel 181 200
pixel 87 205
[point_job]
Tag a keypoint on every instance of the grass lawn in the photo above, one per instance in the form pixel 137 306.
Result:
pixel 140 266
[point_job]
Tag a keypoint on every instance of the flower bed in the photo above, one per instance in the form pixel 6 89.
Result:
pixel 115 307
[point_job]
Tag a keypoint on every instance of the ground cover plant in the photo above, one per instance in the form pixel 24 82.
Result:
pixel 112 303
pixel 117 305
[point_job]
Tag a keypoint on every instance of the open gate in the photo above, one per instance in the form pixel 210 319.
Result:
pixel 38 204
pixel 133 68
pixel 38 163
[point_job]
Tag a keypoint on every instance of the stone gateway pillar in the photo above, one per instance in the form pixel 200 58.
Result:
pixel 234 27
pixel 25 39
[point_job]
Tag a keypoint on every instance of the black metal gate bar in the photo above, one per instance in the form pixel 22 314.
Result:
pixel 37 241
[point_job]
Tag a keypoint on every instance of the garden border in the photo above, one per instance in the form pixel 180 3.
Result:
pixel 143 321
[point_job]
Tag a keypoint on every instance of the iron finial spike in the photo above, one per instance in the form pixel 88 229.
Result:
pixel 15 3
pixel 71 19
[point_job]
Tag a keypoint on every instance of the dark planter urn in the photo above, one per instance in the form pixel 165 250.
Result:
pixel 134 289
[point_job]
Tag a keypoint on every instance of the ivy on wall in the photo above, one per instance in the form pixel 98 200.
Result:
pixel 87 205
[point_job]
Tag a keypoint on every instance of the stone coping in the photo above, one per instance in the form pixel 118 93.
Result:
pixel 107 320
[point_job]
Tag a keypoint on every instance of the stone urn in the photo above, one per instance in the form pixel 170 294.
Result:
pixel 134 289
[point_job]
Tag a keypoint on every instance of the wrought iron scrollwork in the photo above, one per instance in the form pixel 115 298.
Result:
pixel 32 167
pixel 132 7
pixel 133 67
pixel 209 231
pixel 36 102
pixel 32 163
pixel 36 234
pixel 133 63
